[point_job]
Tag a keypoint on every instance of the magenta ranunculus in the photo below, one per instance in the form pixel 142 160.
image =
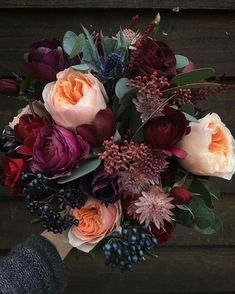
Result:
pixel 57 151
pixel 151 56
pixel 45 59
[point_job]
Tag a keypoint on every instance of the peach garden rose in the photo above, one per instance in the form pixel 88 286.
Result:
pixel 96 221
pixel 74 99
pixel 210 148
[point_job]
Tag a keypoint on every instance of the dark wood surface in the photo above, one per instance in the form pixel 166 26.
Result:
pixel 167 4
pixel 205 32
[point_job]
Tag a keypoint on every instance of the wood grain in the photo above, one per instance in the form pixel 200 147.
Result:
pixel 206 38
pixel 177 270
pixel 182 4
pixel 15 225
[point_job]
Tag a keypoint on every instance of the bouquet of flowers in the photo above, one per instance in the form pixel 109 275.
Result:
pixel 112 148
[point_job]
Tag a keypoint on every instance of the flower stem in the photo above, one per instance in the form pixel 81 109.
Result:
pixel 151 115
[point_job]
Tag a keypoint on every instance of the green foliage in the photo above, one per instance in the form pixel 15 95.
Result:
pixel 198 187
pixel 73 43
pixel 81 67
pixel 193 76
pixel 85 167
pixel 123 91
pixel 198 214
pixel 188 108
pixel 181 61
pixel 199 217
pixel 91 43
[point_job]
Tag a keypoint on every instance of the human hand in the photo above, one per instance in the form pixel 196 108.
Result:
pixel 56 239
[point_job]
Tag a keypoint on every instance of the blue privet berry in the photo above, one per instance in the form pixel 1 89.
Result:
pixel 128 247
pixel 45 201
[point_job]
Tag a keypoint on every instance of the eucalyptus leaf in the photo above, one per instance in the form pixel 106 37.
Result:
pixel 81 67
pixel 85 167
pixel 186 208
pixel 73 44
pixel 205 221
pixel 193 76
pixel 197 187
pixel 91 43
pixel 190 117
pixel 121 43
pixel 109 45
pixel 181 61
pixel 123 89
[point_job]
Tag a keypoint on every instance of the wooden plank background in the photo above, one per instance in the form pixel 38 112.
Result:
pixel 205 32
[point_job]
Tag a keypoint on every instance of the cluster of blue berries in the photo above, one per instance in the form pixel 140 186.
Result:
pixel 49 203
pixel 112 61
pixel 128 247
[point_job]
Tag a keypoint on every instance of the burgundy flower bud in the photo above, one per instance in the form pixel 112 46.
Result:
pixel 180 195
pixel 9 87
pixel 102 129
pixel 26 131
pixel 151 56
pixel 13 168
pixel 101 185
pixel 163 235
pixel 57 151
pixel 45 59
pixel 164 132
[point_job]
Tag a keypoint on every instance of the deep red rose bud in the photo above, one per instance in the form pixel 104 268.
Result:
pixel 180 195
pixel 103 128
pixel 164 132
pixel 105 124
pixel 151 56
pixel 9 87
pixel 26 133
pixel 163 235
pixel 126 203
pixel 13 168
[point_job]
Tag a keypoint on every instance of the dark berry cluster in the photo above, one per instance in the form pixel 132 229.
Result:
pixel 128 247
pixel 51 203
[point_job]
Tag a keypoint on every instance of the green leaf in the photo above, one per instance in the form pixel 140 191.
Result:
pixel 73 44
pixel 180 181
pixel 186 208
pixel 188 108
pixel 81 67
pixel 156 22
pixel 205 221
pixel 109 45
pixel 86 166
pixel 212 189
pixel 197 187
pixel 121 43
pixel 123 90
pixel 193 76
pixel 91 43
pixel 181 61
pixel 190 117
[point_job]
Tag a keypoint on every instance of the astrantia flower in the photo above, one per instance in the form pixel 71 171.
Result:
pixel 154 206
pixel 149 96
pixel 133 182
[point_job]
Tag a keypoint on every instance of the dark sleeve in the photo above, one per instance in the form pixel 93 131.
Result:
pixel 33 267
